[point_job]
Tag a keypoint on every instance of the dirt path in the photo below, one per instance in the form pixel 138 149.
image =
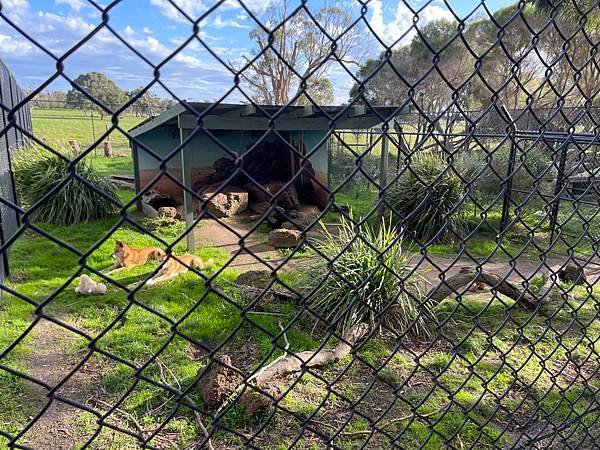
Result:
pixel 53 355
pixel 213 234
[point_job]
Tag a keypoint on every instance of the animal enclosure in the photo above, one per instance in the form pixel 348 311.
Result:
pixel 416 267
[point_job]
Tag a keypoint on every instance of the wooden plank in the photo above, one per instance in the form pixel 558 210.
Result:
pixel 186 178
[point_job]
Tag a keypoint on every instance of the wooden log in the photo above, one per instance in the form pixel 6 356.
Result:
pixel 469 275
pixel 267 378
pixel 294 363
pixel 108 152
pixel 466 276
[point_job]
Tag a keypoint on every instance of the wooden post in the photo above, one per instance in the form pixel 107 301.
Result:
pixel 136 173
pixel 383 169
pixel 186 179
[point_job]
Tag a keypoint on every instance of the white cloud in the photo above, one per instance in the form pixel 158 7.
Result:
pixel 12 46
pixel 193 8
pixel 219 23
pixel 15 5
pixel 75 4
pixel 400 29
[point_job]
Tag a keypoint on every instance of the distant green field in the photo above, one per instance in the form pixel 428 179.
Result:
pixel 57 126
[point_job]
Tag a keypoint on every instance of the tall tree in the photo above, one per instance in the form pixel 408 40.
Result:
pixel 100 88
pixel 295 49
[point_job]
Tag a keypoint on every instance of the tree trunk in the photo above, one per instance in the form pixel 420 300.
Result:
pixel 108 149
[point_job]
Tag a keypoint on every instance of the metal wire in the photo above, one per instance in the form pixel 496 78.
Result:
pixel 514 365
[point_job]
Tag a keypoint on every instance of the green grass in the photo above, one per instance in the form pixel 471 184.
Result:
pixel 57 126
pixel 40 268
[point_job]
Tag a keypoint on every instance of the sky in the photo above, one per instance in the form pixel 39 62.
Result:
pixel 155 29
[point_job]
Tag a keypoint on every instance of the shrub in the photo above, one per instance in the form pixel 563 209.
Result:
pixel 37 172
pixel 371 280
pixel 424 201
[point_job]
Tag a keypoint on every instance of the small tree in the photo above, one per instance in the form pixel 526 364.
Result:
pixel 100 88
pixel 148 104
pixel 297 49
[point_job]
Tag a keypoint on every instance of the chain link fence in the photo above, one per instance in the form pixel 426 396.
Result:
pixel 415 269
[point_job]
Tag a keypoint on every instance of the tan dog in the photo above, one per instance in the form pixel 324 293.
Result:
pixel 175 267
pixel 128 257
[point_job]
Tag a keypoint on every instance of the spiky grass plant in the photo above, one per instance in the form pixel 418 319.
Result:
pixel 424 201
pixel 37 172
pixel 371 280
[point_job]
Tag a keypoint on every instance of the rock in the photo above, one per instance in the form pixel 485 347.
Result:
pixel 289 226
pixel 288 199
pixel 148 210
pixel 228 201
pixel 180 212
pixel 255 278
pixel 308 214
pixel 284 238
pixel 167 212
pixel 257 195
pixel 259 208
pixel 219 382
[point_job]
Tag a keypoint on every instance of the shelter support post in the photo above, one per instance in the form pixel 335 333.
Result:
pixel 383 170
pixel 186 179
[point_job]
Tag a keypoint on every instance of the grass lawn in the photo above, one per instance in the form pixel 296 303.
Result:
pixel 488 371
pixel 493 369
pixel 57 126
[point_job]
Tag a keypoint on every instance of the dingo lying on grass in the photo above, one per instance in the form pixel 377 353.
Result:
pixel 174 267
pixel 128 257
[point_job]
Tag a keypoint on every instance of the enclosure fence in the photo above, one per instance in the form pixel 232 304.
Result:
pixel 442 294
pixel 12 121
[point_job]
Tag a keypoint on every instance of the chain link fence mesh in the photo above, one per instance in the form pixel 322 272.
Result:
pixel 426 281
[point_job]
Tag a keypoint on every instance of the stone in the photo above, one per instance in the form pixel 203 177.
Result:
pixel 180 212
pixel 148 210
pixel 254 278
pixel 167 212
pixel 284 238
pixel 257 195
pixel 259 208
pixel 288 226
pixel 218 382
pixel 228 201
pixel 308 214
pixel 288 199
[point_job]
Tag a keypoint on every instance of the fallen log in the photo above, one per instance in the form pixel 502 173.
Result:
pixel 466 276
pixel 296 362
pixel 266 379
pixel 469 275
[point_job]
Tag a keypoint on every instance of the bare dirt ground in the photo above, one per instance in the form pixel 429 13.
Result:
pixel 212 233
pixel 256 255
pixel 55 355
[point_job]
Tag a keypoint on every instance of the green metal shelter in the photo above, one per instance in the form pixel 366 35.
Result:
pixel 214 131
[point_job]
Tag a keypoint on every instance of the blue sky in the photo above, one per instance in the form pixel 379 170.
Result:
pixel 155 29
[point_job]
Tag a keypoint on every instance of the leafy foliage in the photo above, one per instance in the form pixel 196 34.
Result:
pixel 101 88
pixel 37 173
pixel 370 280
pixel 424 201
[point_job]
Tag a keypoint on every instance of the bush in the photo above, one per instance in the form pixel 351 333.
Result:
pixel 425 200
pixel 37 172
pixel 367 283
